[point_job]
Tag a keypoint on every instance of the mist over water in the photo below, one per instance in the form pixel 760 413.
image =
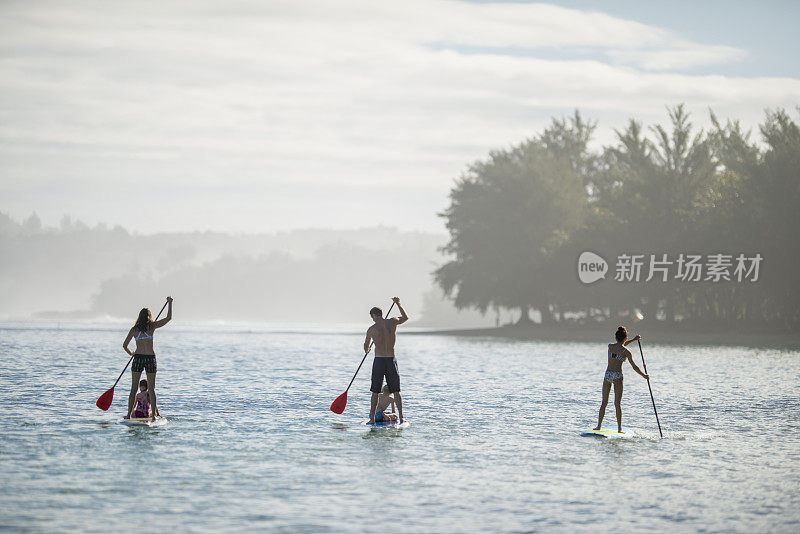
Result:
pixel 304 276
pixel 493 444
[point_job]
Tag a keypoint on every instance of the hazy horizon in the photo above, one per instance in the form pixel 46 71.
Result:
pixel 83 225
pixel 74 272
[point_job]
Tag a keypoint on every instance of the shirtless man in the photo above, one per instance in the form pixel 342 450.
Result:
pixel 384 333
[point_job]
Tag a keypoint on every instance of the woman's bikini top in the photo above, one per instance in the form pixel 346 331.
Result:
pixel 142 335
pixel 619 357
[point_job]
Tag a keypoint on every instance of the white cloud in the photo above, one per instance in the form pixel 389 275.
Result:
pixel 678 56
pixel 208 94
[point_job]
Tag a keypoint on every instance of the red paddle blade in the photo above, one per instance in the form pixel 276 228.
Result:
pixel 337 406
pixel 104 402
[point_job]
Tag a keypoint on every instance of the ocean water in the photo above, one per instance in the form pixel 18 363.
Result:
pixel 494 443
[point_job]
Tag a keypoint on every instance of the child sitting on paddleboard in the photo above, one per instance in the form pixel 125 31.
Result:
pixel 385 399
pixel 142 404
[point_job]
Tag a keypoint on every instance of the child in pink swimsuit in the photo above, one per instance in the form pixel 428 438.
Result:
pixel 142 406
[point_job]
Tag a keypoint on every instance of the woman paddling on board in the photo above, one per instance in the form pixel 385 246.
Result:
pixel 617 354
pixel 144 359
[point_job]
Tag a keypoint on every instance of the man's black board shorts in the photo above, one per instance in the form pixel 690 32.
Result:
pixel 385 367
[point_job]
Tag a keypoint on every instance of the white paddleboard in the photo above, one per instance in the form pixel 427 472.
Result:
pixel 608 433
pixel 389 424
pixel 145 421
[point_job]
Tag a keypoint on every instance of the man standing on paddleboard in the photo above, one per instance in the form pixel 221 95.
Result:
pixel 384 334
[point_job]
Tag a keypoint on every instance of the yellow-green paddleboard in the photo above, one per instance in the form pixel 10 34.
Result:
pixel 608 433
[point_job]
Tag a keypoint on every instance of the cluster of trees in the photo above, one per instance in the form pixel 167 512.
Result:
pixel 519 220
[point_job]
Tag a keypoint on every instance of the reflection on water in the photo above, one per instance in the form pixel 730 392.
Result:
pixel 494 444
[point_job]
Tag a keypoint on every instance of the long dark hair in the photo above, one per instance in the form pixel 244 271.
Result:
pixel 144 321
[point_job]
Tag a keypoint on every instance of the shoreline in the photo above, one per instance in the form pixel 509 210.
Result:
pixel 593 333
pixel 650 333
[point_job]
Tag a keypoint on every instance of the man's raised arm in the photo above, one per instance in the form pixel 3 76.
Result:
pixel 403 315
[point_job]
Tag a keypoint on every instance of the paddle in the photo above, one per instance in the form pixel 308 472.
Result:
pixel 651 389
pixel 104 402
pixel 339 403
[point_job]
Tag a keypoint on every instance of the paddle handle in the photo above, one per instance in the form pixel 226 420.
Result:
pixel 122 373
pixel 129 361
pixel 365 355
pixel 652 399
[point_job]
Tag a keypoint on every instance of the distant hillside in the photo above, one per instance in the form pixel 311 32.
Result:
pixel 328 275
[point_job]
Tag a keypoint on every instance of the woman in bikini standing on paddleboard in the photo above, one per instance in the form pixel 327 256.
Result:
pixel 144 359
pixel 617 354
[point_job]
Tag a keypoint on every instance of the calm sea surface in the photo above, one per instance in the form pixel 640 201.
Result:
pixel 493 445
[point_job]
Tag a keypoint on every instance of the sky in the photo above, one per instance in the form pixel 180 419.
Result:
pixel 249 116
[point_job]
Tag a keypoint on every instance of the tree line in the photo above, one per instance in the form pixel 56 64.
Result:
pixel 520 219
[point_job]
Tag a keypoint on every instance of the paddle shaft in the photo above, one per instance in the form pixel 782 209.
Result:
pixel 365 356
pixel 129 361
pixel 651 389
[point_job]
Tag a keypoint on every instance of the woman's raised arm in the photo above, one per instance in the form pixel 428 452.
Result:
pixel 165 320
